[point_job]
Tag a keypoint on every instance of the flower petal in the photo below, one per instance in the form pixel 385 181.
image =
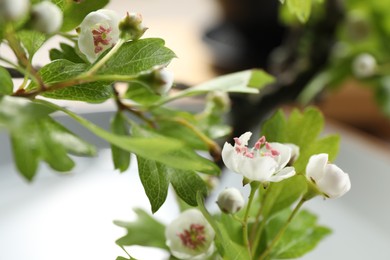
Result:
pixel 335 182
pixel 244 138
pixel 258 168
pixel 282 174
pixel 284 154
pixel 315 168
pixel 230 157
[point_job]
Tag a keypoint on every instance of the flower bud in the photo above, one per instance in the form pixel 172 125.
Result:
pixel 160 80
pixel 364 65
pixel 46 17
pixel 219 100
pixel 131 26
pixel 190 236
pixel 12 10
pixel 328 179
pixel 98 32
pixel 230 200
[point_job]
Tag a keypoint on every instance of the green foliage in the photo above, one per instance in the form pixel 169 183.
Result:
pixel 6 84
pixel 66 52
pixel 141 94
pixel 302 234
pixel 144 231
pixel 302 129
pixel 383 95
pixel 31 40
pixel 35 136
pixel 281 195
pixel 162 149
pixel 74 12
pixel 120 157
pixel 300 8
pixel 155 178
pixel 137 57
pixel 61 70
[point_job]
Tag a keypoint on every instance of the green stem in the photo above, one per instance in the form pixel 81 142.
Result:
pixel 106 57
pixel 282 230
pixel 254 187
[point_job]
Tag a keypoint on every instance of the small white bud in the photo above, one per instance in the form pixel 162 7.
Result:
pixel 160 80
pixel 364 65
pixel 131 26
pixel 12 10
pixel 230 200
pixel 46 17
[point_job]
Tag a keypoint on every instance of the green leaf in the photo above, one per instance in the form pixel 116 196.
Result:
pixel 135 57
pixel 66 52
pixel 302 235
pixel 382 95
pixel 32 41
pixel 302 129
pixel 248 81
pixel 6 84
pixel 74 12
pixel 280 195
pixel 155 180
pixel 301 9
pixel 61 70
pixel 144 231
pixel 187 184
pixel 35 136
pixel 141 94
pixel 120 157
pixel 165 150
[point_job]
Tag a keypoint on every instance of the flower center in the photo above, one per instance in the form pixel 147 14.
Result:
pixel 193 237
pixel 250 153
pixel 101 37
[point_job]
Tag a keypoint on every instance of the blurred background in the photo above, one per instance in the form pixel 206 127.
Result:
pixel 70 217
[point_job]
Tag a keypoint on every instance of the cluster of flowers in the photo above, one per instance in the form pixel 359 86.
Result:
pixel 190 236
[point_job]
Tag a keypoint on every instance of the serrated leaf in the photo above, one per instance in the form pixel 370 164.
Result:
pixel 66 52
pixel 6 84
pixel 281 195
pixel 165 150
pixel 144 231
pixel 301 9
pixel 60 70
pixel 135 57
pixel 32 41
pixel 187 184
pixel 155 180
pixel 35 136
pixel 120 157
pixel 302 129
pixel 74 12
pixel 302 235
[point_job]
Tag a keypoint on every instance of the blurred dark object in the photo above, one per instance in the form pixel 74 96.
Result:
pixel 247 34
pixel 251 36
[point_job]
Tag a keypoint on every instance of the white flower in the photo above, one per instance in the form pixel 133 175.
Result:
pixel 190 236
pixel 46 17
pixel 98 32
pixel 230 200
pixel 165 78
pixel 329 179
pixel 13 9
pixel 265 162
pixel 364 65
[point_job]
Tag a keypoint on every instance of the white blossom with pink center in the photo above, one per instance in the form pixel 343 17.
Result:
pixel 190 236
pixel 329 178
pixel 99 31
pixel 265 162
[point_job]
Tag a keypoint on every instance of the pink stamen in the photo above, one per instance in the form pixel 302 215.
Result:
pixel 101 37
pixel 237 141
pixel 193 237
pixel 268 146
pixel 275 152
pixel 249 154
